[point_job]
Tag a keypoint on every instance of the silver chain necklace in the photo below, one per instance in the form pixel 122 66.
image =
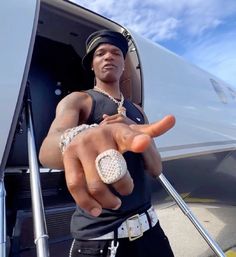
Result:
pixel 121 109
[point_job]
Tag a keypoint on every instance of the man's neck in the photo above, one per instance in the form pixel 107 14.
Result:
pixel 112 89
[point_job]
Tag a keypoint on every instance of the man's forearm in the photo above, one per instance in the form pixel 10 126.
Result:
pixel 50 155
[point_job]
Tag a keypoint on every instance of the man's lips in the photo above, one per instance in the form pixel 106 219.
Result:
pixel 109 66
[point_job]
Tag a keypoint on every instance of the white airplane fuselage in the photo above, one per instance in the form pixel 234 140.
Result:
pixel 41 50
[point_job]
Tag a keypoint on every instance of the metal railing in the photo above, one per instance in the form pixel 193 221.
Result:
pixel 2 219
pixel 40 229
pixel 185 209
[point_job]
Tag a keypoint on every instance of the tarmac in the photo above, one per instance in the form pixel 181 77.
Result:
pixel 186 241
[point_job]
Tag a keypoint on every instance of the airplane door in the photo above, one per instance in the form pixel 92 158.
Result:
pixel 18 23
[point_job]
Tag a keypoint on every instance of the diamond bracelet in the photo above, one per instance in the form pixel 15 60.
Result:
pixel 70 133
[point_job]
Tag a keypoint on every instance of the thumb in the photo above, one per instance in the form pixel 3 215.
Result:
pixel 128 139
pixel 139 143
pixel 157 128
pixel 104 116
pixel 137 138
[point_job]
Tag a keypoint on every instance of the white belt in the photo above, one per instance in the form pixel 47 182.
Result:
pixel 133 227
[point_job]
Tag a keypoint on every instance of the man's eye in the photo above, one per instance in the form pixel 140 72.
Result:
pixel 99 54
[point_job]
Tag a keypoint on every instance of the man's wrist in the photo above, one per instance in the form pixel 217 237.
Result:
pixel 70 133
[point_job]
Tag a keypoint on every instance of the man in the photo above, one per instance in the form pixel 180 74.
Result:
pixel 114 216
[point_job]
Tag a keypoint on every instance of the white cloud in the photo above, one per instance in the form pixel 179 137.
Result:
pixel 162 19
pixel 193 24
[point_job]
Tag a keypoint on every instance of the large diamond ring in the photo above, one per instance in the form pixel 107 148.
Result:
pixel 111 166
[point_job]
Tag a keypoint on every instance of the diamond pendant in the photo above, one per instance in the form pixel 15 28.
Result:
pixel 121 110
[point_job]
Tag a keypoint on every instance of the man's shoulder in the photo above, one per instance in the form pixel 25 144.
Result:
pixel 77 95
pixel 74 100
pixel 74 97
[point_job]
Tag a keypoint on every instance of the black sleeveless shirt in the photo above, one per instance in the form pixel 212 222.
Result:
pixel 85 226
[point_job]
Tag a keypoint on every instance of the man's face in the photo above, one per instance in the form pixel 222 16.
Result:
pixel 108 63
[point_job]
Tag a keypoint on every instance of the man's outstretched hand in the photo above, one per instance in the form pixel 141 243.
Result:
pixel 82 178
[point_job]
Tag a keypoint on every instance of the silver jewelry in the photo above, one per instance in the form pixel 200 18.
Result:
pixel 113 248
pixel 111 166
pixel 121 109
pixel 70 133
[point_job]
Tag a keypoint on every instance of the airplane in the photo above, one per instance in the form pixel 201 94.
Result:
pixel 41 46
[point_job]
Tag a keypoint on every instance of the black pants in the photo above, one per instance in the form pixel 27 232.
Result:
pixel 153 243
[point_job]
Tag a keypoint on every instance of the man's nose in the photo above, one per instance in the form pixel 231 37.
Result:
pixel 108 56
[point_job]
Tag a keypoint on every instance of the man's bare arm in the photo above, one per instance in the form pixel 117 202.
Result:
pixel 79 156
pixel 67 116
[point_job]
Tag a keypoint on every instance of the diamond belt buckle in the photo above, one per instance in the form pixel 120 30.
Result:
pixel 132 218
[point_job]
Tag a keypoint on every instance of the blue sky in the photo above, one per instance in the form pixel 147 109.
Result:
pixel 201 31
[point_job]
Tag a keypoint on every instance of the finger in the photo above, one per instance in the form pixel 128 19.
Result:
pixel 90 145
pixel 140 142
pixel 157 128
pixel 125 185
pixel 128 139
pixel 77 186
pixel 104 116
pixel 97 189
pixel 137 138
pixel 119 119
pixel 108 118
